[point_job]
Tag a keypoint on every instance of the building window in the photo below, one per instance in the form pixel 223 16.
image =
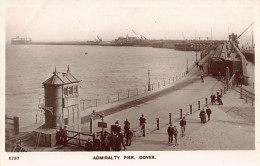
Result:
pixel 66 91
pixel 71 90
pixel 76 89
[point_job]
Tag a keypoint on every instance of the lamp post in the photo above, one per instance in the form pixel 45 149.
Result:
pixel 94 113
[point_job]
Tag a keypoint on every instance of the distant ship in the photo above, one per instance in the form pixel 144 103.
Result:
pixel 19 40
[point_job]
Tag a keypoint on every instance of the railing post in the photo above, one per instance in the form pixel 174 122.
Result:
pixel 199 105
pixel 158 122
pixel 107 99
pixel 206 100
pixel 36 118
pixel 190 109
pixel 118 96
pixel 158 85
pixel 163 82
pixel 169 81
pixel 170 118
pixel 180 113
pixel 91 124
pixel 176 78
pixel 246 98
pixel 152 86
pixel 83 105
pixel 137 91
pixel 145 88
pixel 96 102
pixel 16 125
pixel 128 93
pixel 172 79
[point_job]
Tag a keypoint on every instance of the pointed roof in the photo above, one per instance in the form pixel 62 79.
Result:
pixel 59 78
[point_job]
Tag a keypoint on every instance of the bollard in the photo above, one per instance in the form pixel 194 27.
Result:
pixel 221 92
pixel 246 98
pixel 170 118
pixel 107 99
pixel 206 99
pixel 118 96
pixel 96 102
pixel 16 125
pixel 91 124
pixel 190 109
pixel 157 120
pixel 144 130
pixel 199 105
pixel 180 113
pixel 241 93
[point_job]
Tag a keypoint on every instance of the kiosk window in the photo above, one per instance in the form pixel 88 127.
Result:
pixel 66 91
pixel 76 89
pixel 71 90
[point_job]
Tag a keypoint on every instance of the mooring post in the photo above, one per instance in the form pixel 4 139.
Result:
pixel 190 109
pixel 199 105
pixel 91 124
pixel 180 113
pixel 16 125
pixel 158 122
pixel 170 118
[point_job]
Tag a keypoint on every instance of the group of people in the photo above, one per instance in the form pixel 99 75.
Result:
pixel 116 141
pixel 215 98
pixel 203 114
pixel 199 65
pixel 61 136
pixel 173 132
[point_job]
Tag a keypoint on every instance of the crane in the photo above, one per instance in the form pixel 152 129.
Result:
pixel 142 37
pixel 136 34
pixel 99 39
pixel 245 29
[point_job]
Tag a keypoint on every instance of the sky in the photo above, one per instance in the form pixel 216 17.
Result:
pixel 78 20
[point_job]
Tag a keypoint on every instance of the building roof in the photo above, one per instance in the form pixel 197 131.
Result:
pixel 59 78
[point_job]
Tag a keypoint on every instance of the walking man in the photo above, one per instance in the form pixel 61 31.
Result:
pixel 208 111
pixel 183 126
pixel 170 133
pixel 175 133
pixel 213 98
pixel 142 122
pixel 202 78
pixel 127 126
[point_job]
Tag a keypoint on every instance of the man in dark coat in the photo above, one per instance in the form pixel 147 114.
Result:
pixel 208 111
pixel 170 133
pixel 128 135
pixel 213 98
pixel 203 116
pixel 112 142
pixel 119 142
pixel 142 123
pixel 64 135
pixel 97 144
pixel 126 126
pixel 58 137
pixel 89 145
pixel 183 126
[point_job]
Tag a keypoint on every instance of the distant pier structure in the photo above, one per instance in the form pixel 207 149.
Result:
pixel 60 105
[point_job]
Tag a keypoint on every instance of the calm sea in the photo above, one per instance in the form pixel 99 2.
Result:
pixel 104 71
